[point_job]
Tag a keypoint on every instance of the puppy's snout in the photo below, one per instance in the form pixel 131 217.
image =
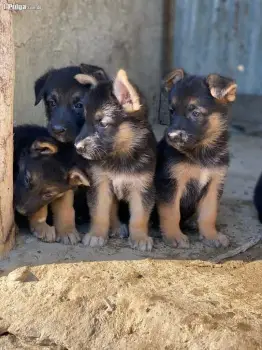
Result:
pixel 177 135
pixel 58 129
pixel 21 210
pixel 80 147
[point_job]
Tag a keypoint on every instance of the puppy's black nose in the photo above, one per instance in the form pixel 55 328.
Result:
pixel 58 129
pixel 80 147
pixel 177 135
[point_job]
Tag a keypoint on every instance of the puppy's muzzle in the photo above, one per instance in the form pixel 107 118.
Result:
pixel 177 136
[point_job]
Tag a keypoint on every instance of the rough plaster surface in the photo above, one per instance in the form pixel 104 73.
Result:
pixel 114 34
pixel 115 298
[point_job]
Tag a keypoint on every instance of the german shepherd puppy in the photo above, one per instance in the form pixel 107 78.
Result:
pixel 193 155
pixel 46 172
pixel 63 98
pixel 121 147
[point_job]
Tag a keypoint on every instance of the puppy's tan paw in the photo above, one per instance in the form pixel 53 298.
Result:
pixel 121 231
pixel 142 244
pixel 220 240
pixel 44 232
pixel 180 241
pixel 70 238
pixel 94 241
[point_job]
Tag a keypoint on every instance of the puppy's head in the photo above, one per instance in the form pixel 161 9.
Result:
pixel 198 108
pixel 42 177
pixel 112 118
pixel 63 98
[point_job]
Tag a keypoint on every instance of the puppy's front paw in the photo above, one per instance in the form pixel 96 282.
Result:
pixel 220 240
pixel 44 232
pixel 179 241
pixel 142 244
pixel 94 241
pixel 121 231
pixel 70 238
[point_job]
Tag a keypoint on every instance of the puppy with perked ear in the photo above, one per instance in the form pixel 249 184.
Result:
pixel 121 148
pixel 193 155
pixel 46 172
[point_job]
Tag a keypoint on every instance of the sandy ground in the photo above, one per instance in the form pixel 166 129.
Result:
pixel 237 219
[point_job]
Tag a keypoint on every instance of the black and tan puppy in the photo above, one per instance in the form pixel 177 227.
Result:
pixel 121 147
pixel 193 155
pixel 46 172
pixel 63 98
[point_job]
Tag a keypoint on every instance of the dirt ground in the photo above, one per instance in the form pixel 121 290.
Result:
pixel 178 286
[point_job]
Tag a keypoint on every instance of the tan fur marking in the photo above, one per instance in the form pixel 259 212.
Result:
pixel 100 215
pixel 138 225
pixel 124 139
pixel 215 128
pixel 64 214
pixel 85 79
pixel 208 207
pixel 38 145
pixel 38 217
pixel 170 213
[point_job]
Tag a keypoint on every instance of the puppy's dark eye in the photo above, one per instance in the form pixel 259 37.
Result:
pixel 27 179
pixel 78 105
pixel 48 195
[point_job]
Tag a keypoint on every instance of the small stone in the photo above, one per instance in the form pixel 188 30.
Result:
pixel 22 274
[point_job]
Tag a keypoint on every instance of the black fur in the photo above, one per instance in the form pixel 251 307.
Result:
pixel 63 98
pixel 258 198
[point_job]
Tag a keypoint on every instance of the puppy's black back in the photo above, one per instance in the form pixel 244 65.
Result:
pixel 258 198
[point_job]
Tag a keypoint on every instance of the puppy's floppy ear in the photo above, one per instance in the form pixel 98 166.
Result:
pixel 43 147
pixel 222 87
pixel 78 178
pixel 86 79
pixel 125 93
pixel 95 71
pixel 40 85
pixel 172 78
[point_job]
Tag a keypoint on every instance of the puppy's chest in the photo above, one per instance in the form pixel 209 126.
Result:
pixel 185 174
pixel 122 185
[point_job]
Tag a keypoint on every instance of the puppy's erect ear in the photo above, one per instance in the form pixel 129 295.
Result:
pixel 173 77
pixel 221 87
pixel 78 178
pixel 125 93
pixel 43 147
pixel 86 79
pixel 95 71
pixel 40 85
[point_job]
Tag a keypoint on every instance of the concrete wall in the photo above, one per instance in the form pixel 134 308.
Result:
pixel 111 33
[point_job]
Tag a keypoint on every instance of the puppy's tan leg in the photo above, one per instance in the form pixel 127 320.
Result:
pixel 100 215
pixel 64 219
pixel 138 225
pixel 39 227
pixel 169 215
pixel 207 209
